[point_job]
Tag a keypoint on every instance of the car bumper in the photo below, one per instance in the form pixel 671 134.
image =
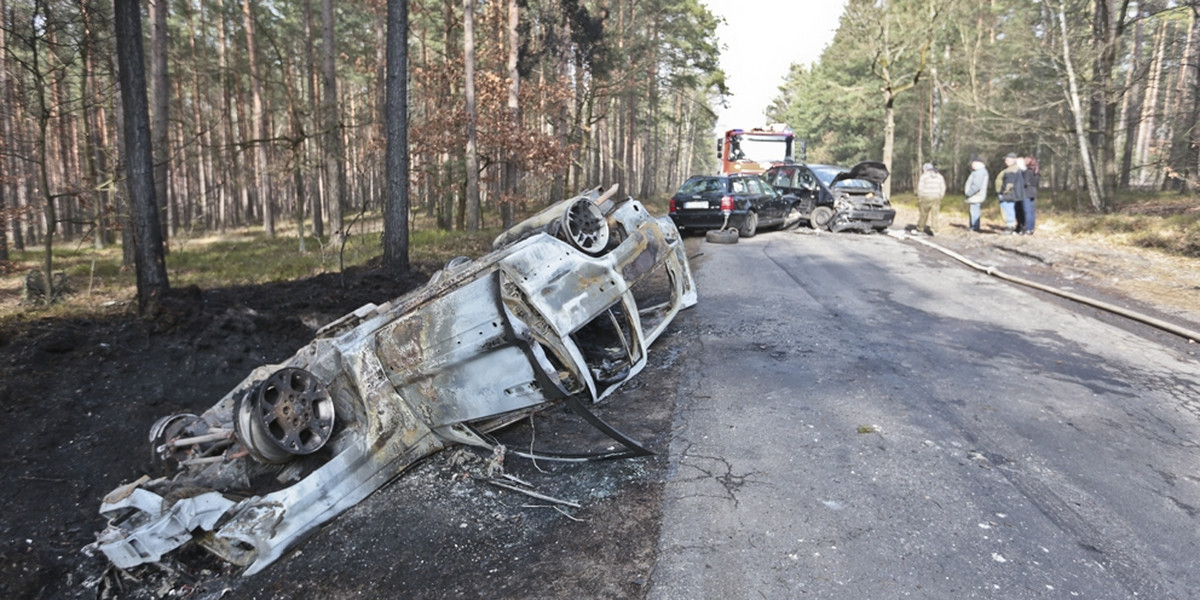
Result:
pixel 709 219
pixel 864 218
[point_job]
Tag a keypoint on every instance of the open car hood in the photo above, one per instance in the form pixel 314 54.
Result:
pixel 867 170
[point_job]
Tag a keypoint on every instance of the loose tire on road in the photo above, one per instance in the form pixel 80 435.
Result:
pixel 722 236
pixel 749 226
pixel 820 218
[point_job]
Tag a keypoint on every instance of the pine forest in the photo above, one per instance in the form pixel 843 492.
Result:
pixel 271 113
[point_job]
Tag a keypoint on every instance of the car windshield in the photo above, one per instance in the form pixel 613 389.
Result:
pixel 703 185
pixel 827 173
pixel 856 183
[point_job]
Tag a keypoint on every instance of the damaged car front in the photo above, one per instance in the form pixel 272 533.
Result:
pixel 563 309
pixel 833 197
pixel 858 200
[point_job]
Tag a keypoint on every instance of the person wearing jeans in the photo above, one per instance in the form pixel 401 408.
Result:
pixel 1010 185
pixel 1026 214
pixel 976 191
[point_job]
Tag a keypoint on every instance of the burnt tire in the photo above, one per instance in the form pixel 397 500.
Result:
pixel 749 225
pixel 721 236
pixel 820 218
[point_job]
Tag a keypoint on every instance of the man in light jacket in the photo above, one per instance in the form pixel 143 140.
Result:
pixel 931 188
pixel 976 191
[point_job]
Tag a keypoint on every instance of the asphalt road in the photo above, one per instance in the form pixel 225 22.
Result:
pixel 864 418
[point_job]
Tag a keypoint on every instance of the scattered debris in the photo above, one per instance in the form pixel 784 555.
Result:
pixel 563 309
pixel 525 489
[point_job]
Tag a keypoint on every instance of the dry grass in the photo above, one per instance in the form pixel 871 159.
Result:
pixel 1167 222
pixel 100 284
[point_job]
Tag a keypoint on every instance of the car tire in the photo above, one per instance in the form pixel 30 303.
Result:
pixel 749 225
pixel 721 236
pixel 820 218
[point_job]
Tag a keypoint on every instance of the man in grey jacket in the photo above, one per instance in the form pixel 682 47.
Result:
pixel 976 191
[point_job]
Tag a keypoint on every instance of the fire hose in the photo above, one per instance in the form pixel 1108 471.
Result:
pixel 1189 335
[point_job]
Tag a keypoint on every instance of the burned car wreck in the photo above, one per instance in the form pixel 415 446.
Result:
pixel 563 309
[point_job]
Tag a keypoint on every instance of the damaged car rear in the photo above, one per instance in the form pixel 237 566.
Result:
pixel 564 309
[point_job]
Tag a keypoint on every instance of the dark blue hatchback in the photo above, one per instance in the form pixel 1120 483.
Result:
pixel 704 201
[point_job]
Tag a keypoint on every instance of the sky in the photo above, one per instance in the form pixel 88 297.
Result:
pixel 760 40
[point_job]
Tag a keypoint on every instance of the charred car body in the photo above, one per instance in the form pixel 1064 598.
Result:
pixel 563 309
pixel 836 198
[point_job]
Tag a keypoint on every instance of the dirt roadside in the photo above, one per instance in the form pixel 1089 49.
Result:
pixel 1159 285
pixel 80 394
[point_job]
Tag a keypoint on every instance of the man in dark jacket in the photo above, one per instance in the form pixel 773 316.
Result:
pixel 1026 217
pixel 1010 185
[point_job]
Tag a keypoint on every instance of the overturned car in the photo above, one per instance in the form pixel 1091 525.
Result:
pixel 564 309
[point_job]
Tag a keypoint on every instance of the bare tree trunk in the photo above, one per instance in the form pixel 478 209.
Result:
pixel 1093 183
pixel 472 198
pixel 335 167
pixel 159 122
pixel 310 80
pixel 151 268
pixel 889 137
pixel 395 214
pixel 123 202
pixel 229 156
pixel 1148 119
pixel 42 160
pixel 1132 107
pixel 6 134
pixel 511 172
pixel 1186 115
pixel 1107 29
pixel 93 153
pixel 259 123
pixel 202 132
pixel 650 152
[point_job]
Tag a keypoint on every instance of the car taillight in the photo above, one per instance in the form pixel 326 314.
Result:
pixel 726 203
pixel 672 205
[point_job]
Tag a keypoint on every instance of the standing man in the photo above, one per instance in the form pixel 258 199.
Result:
pixel 976 191
pixel 931 187
pixel 1026 219
pixel 1010 185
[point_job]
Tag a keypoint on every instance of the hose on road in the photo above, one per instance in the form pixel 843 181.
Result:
pixel 1185 333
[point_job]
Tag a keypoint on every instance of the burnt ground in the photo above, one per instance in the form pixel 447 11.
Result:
pixel 79 396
